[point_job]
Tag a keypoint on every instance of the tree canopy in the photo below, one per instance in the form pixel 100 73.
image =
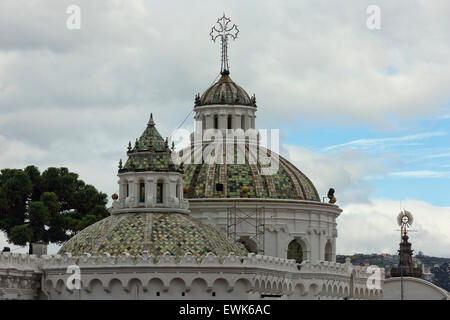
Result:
pixel 48 207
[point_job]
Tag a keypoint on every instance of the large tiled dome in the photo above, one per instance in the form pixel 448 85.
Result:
pixel 287 183
pixel 155 233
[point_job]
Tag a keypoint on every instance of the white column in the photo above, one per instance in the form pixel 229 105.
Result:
pixel 180 191
pixel 132 192
pixel 247 121
pixel 236 121
pixel 122 192
pixel 222 120
pixel 172 191
pixel 166 192
pixel 150 192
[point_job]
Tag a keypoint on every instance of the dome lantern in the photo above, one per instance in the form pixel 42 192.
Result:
pixel 149 178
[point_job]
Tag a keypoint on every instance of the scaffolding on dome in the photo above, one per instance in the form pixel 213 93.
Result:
pixel 254 218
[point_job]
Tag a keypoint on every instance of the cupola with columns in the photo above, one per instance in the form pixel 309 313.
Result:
pixel 225 105
pixel 149 178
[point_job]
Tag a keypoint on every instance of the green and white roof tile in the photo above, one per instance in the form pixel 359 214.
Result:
pixel 287 183
pixel 156 233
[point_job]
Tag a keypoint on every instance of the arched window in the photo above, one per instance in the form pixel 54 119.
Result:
pixel 243 122
pixel 128 189
pixel 178 190
pixel 295 251
pixel 159 191
pixel 216 122
pixel 328 251
pixel 204 123
pixel 230 122
pixel 141 191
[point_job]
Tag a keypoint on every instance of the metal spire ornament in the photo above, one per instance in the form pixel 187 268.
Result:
pixel 404 220
pixel 223 29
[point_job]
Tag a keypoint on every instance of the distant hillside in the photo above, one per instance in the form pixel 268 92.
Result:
pixel 436 270
pixel 388 260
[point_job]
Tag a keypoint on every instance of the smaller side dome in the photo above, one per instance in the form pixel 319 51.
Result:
pixel 155 233
pixel 225 91
pixel 150 153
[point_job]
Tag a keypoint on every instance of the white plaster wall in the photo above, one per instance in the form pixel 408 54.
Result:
pixel 312 223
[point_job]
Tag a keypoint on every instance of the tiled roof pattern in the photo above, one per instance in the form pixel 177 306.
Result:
pixel 151 138
pixel 287 183
pixel 155 233
pixel 147 161
pixel 150 154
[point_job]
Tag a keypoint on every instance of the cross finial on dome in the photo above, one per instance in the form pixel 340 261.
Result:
pixel 223 30
pixel 151 122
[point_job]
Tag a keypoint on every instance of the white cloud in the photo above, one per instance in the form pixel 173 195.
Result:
pixel 51 249
pixel 385 142
pixel 372 227
pixel 368 224
pixel 420 174
pixel 346 171
pixel 440 155
pixel 310 59
pixel 13 152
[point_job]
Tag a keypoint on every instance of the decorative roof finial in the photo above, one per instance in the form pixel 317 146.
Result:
pixel 197 99
pixel 224 29
pixel 120 164
pixel 150 122
pixel 129 146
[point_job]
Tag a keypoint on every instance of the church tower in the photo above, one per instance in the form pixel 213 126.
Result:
pixel 406 266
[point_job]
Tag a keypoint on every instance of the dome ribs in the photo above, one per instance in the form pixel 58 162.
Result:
pixel 225 91
pixel 193 184
pixel 298 187
pixel 148 232
pixel 209 187
pixel 288 183
pixel 306 184
pixel 259 188
pixel 269 180
pixel 223 175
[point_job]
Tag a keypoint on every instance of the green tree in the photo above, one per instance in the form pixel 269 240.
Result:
pixel 48 207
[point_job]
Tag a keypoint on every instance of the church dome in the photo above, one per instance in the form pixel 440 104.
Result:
pixel 225 91
pixel 150 153
pixel 155 233
pixel 246 180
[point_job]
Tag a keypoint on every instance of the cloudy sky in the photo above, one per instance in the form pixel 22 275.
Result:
pixel 364 111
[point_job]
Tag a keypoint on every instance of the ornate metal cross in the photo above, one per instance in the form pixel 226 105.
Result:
pixel 224 29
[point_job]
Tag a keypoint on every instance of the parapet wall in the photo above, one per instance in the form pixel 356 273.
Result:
pixel 191 277
pixel 20 276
